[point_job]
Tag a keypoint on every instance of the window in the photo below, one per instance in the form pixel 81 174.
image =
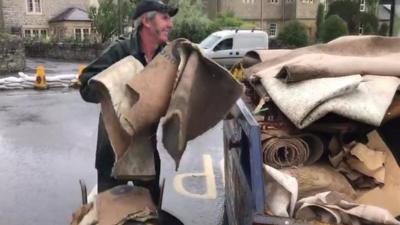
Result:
pixel 362 5
pixel 273 1
pixel 272 29
pixel 27 33
pixel 43 33
pixel 224 45
pixel 35 33
pixel 307 1
pixel 78 34
pixel 82 34
pixel 209 41
pixel 361 29
pixel 85 34
pixel 34 6
pixel 248 1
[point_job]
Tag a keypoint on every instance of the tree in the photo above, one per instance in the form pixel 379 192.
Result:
pixel 333 27
pixel 228 20
pixel 347 10
pixel 320 19
pixel 369 22
pixel 372 6
pixel 107 17
pixel 383 29
pixel 294 33
pixel 190 22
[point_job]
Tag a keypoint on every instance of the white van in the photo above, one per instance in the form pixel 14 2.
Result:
pixel 227 46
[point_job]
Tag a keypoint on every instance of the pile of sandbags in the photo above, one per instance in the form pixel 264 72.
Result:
pixel 24 81
pixel 320 109
pixel 11 83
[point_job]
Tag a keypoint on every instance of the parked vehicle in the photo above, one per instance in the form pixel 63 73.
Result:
pixel 228 46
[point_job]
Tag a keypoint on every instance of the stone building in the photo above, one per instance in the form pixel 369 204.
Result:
pixel 270 15
pixel 44 18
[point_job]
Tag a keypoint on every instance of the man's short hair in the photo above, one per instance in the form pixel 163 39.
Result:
pixel 137 23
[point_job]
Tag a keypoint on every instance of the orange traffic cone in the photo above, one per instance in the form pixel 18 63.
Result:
pixel 41 82
pixel 78 82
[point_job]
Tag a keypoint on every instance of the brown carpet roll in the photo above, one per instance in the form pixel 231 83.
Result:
pixel 303 149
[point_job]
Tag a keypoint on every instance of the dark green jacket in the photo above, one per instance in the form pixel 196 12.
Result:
pixel 118 50
pixel 115 52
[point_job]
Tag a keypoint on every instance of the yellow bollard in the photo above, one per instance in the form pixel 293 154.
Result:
pixel 237 72
pixel 41 82
pixel 78 82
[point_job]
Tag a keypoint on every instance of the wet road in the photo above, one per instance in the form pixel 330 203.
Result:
pixel 47 143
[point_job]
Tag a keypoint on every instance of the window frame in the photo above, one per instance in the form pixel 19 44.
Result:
pixel 38 31
pixel 275 30
pixel 363 6
pixel 34 7
pixel 219 43
pixel 81 31
pixel 248 2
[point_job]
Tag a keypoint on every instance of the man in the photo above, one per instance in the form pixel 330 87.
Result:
pixel 152 23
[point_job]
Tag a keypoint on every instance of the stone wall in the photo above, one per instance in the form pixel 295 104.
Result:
pixel 65 51
pixel 66 29
pixel 12 53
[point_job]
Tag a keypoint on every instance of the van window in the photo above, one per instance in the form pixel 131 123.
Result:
pixel 224 45
pixel 209 41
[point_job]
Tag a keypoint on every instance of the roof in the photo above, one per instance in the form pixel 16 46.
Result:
pixel 72 14
pixel 384 12
pixel 231 32
pixel 387 7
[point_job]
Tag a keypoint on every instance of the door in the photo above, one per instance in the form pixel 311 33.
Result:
pixel 223 53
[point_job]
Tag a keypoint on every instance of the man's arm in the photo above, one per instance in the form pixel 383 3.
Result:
pixel 112 54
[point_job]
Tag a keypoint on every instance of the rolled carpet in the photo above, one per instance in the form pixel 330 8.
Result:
pixel 303 149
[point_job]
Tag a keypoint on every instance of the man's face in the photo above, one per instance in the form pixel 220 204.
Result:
pixel 160 26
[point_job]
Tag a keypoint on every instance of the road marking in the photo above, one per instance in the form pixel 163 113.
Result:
pixel 92 194
pixel 208 173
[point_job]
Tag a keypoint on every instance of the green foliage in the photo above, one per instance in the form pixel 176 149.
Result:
pixel 333 27
pixel 107 17
pixel 347 10
pixel 190 22
pixel 396 25
pixel 320 19
pixel 370 23
pixel 6 36
pixel 225 20
pixel 294 33
pixel 372 6
pixel 228 20
pixel 383 29
pixel 350 12
pixel 55 41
